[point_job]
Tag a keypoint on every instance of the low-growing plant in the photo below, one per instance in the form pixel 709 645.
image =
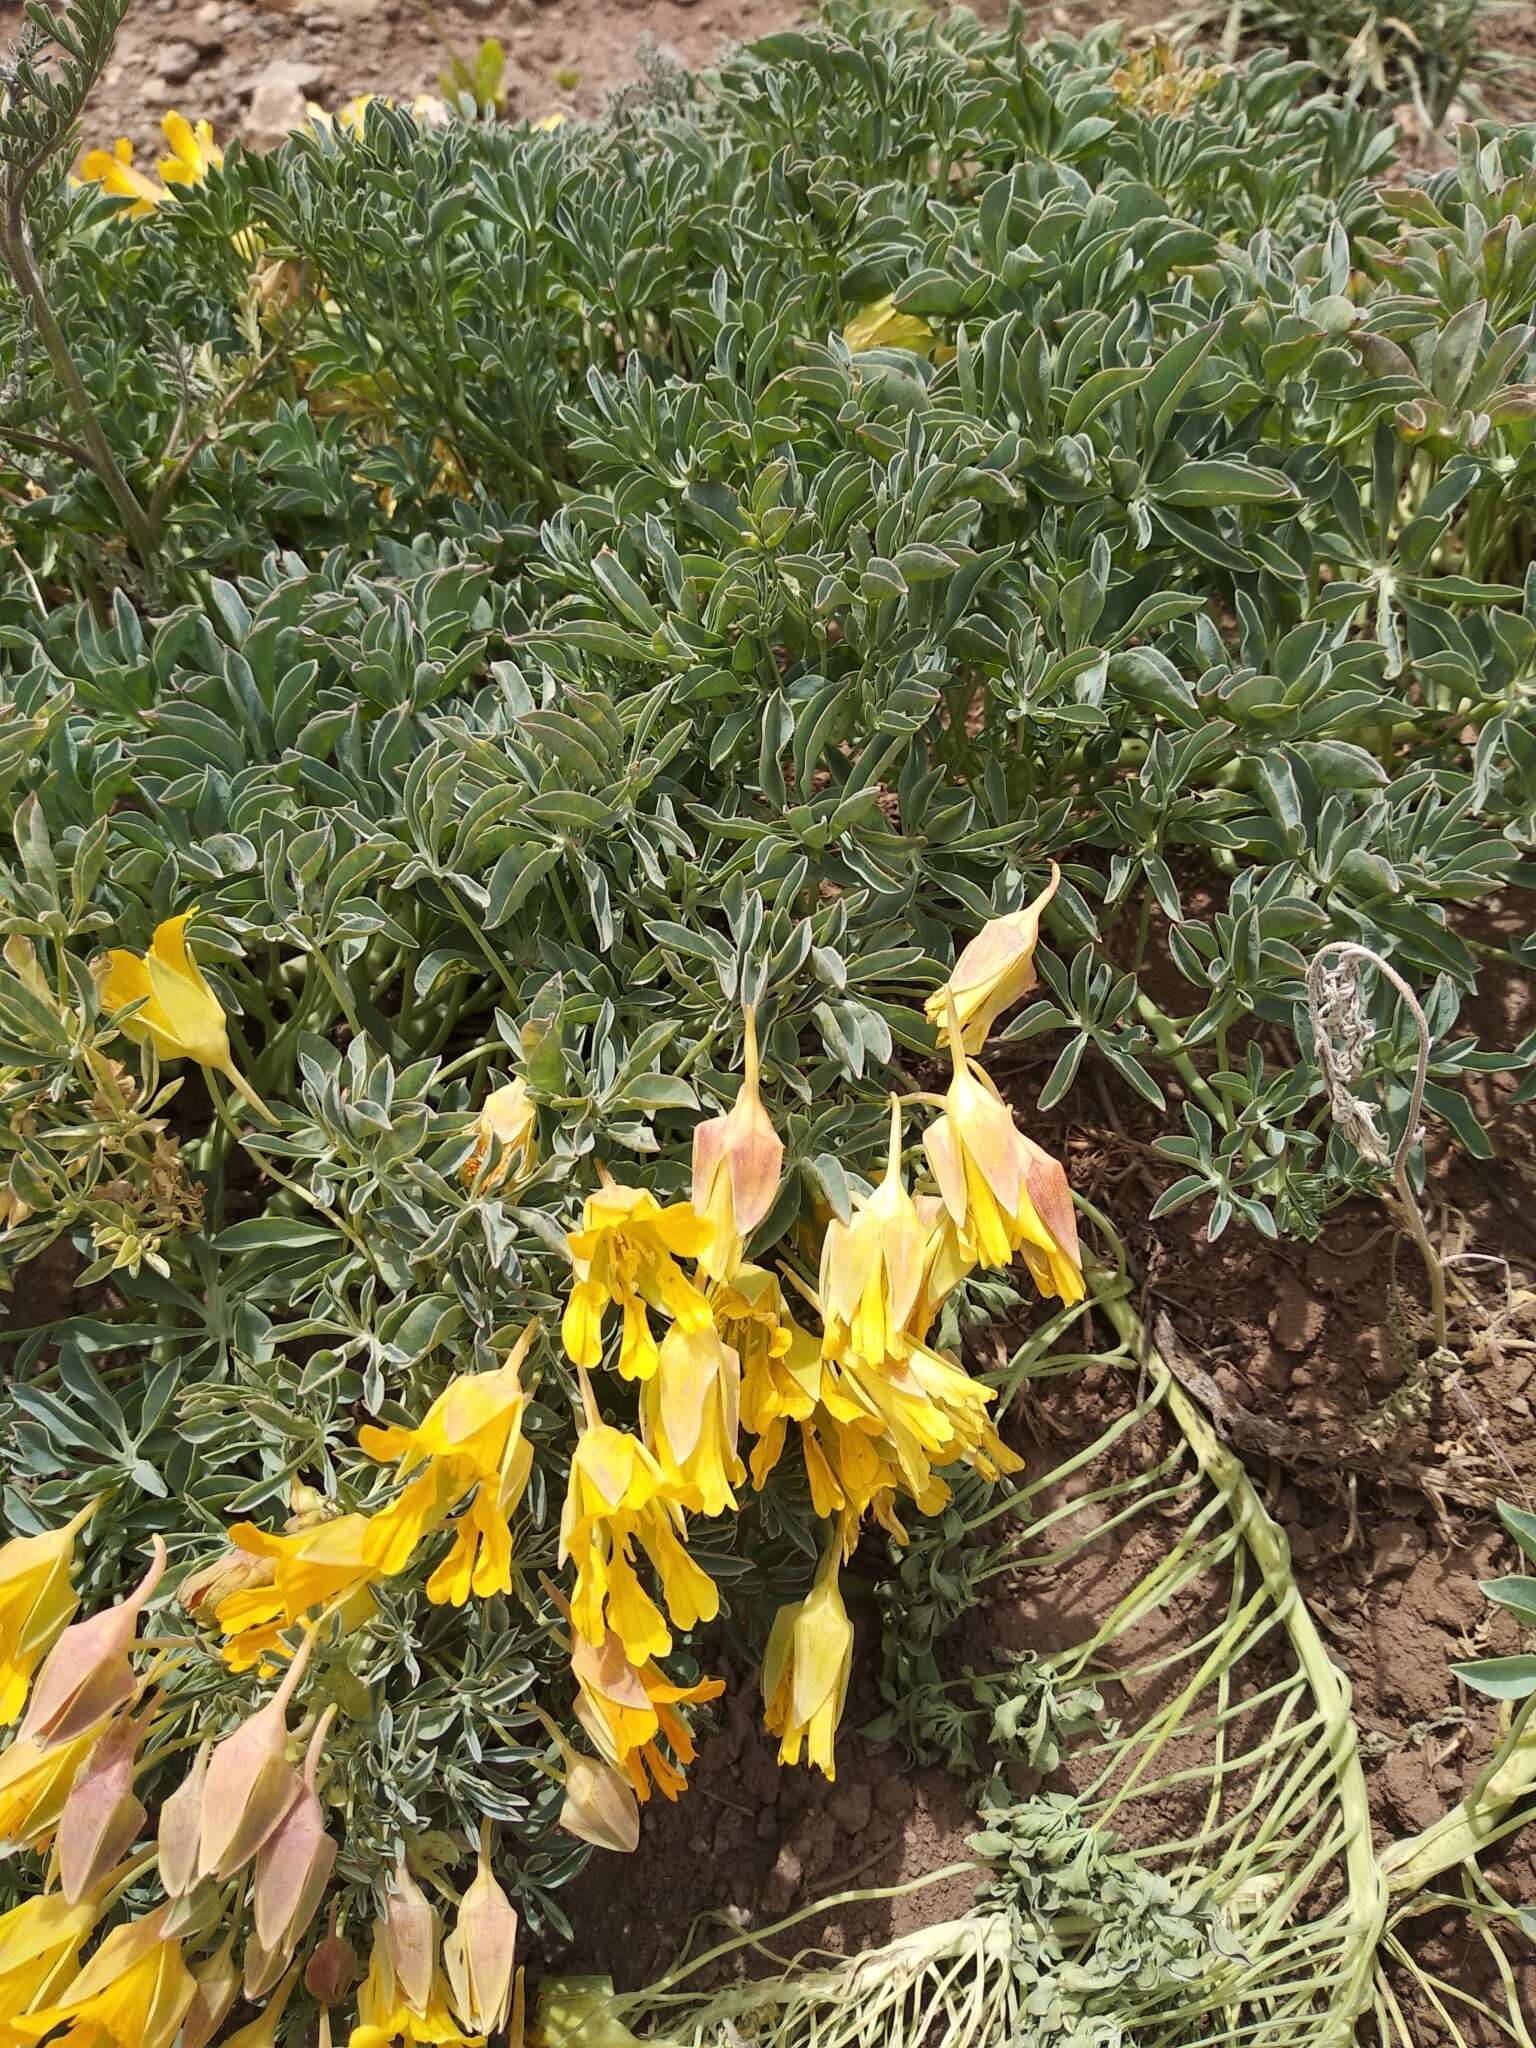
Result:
pixel 641 636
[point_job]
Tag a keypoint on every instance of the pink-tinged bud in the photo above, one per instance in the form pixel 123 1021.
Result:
pixel 181 1820
pixel 249 1784
pixel 218 1983
pixel 88 1675
pixel 332 1969
pixel 600 1805
pixel 101 1817
pixel 294 1864
pixel 738 1159
pixel 410 1937
pixel 478 1955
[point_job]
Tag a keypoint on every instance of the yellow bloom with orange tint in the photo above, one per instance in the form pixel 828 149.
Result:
pixel 690 1412
pixel 37 1599
pixel 993 972
pixel 626 1257
pixel 805 1672
pixel 628 1710
pixel 616 1500
pixel 1002 1193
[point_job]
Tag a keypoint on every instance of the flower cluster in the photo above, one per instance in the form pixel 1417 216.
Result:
pixel 679 1328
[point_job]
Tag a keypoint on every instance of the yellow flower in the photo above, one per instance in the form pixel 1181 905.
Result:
pixel 131 1994
pixel 881 326
pixel 114 172
pixel 505 1134
pixel 780 1362
pixel 473 1434
pixel 737 1161
pixel 549 123
pixel 616 1497
pixel 194 153
pixel 626 1256
pixel 34 1784
pixel 331 1564
pixel 1001 1191
pixel 178 1013
pixel 946 1261
pixel 933 1413
pixel 805 1671
pixel 993 972
pixel 627 1709
pixel 690 1414
pixel 385 2016
pixel 872 1267
pixel 39 1942
pixel 36 1602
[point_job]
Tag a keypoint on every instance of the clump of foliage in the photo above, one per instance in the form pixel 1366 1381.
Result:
pixel 553 605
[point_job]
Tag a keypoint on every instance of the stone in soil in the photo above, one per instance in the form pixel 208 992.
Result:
pixel 279 100
pixel 177 62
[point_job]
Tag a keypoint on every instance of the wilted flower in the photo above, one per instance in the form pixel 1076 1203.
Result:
pixel 626 1255
pixel 616 1497
pixel 881 326
pixel 218 1985
pixel 479 1955
pixel 237 1571
pixel 690 1413
pixel 737 1161
pixel 993 971
pixel 805 1671
pixel 1002 1192
pixel 132 1993
pixel 88 1675
pixel 37 1599
pixel 331 1970
pixel 506 1135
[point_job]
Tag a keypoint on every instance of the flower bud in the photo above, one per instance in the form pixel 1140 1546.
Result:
pixel 249 1784
pixel 180 1825
pixel 600 1805
pixel 218 1982
pixel 505 1135
pixel 993 972
pixel 478 1955
pixel 88 1675
pixel 101 1817
pixel 332 1969
pixel 410 1936
pixel 737 1162
pixel 294 1864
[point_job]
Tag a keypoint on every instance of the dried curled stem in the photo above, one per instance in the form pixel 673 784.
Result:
pixel 1342 1032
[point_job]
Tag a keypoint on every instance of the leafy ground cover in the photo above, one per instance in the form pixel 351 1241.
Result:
pixel 530 657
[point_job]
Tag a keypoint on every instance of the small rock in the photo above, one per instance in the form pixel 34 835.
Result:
pixel 782 1882
pixel 1397 1548
pixel 1296 1319
pixel 177 62
pixel 207 38
pixel 698 1845
pixel 850 1806
pixel 892 1796
pixel 279 101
